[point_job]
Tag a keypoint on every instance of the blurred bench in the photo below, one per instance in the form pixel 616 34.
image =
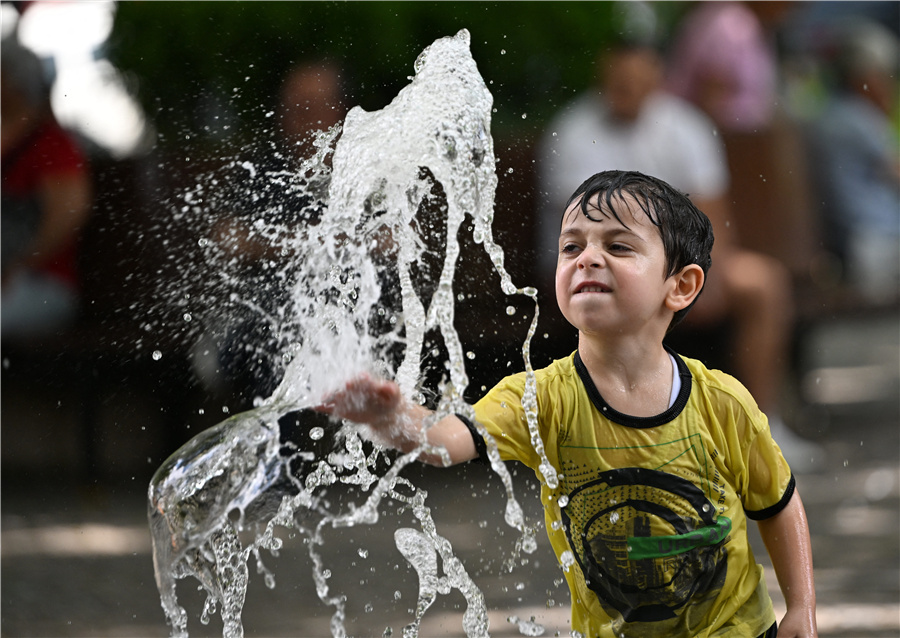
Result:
pixel 776 213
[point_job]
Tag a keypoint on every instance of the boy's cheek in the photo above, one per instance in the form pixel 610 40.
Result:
pixel 563 276
pixel 559 288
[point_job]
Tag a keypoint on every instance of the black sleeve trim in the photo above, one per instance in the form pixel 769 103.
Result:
pixel 477 439
pixel 769 512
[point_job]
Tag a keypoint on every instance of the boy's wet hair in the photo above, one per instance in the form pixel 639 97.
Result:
pixel 687 233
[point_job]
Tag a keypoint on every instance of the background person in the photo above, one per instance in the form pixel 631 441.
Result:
pixel 269 199
pixel 724 61
pixel 855 150
pixel 47 200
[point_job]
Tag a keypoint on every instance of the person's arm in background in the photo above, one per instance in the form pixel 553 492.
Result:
pixel 786 536
pixel 714 300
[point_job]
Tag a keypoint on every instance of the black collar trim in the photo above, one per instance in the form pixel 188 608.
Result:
pixel 636 421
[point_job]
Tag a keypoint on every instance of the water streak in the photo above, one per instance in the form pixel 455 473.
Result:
pixel 359 302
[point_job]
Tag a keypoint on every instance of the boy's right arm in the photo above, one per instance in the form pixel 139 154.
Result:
pixel 393 421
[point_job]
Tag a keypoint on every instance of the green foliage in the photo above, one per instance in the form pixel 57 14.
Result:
pixel 194 61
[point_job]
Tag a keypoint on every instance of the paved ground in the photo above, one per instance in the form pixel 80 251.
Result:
pixel 76 557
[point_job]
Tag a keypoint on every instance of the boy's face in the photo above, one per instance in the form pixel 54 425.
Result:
pixel 610 276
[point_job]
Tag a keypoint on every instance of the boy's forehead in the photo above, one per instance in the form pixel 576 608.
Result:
pixel 627 210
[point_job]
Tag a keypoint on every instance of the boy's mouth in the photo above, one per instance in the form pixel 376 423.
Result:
pixel 592 287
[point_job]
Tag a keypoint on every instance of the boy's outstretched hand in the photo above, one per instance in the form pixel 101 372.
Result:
pixel 395 422
pixel 365 399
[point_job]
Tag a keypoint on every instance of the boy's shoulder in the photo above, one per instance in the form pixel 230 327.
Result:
pixel 560 375
pixel 720 386
pixel 557 371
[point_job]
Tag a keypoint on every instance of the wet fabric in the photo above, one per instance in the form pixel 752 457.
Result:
pixel 650 514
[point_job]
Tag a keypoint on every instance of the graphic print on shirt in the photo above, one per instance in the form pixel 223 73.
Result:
pixel 648 541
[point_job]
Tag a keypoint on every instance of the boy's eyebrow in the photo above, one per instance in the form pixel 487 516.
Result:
pixel 608 232
pixel 623 230
pixel 569 231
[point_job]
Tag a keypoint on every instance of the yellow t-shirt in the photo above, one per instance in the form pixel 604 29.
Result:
pixel 650 514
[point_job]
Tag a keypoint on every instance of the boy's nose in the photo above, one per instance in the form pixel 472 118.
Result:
pixel 591 257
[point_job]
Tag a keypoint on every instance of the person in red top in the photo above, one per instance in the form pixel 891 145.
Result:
pixel 46 201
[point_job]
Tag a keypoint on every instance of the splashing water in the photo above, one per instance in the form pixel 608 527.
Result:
pixel 235 479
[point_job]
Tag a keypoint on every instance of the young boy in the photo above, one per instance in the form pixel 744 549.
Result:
pixel 660 460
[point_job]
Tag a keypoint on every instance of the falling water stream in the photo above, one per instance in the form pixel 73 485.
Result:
pixel 229 492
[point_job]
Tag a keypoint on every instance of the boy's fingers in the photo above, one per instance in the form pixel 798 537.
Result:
pixel 325 408
pixel 360 395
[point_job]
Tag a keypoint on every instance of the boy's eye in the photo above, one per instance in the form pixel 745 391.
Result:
pixel 618 247
pixel 568 248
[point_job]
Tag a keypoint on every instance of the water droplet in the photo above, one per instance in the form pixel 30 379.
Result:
pixel 316 433
pixel 614 517
pixel 563 500
pixel 705 507
pixel 529 546
pixel 470 355
pixel 187 316
pixel 510 310
pixel 363 553
pixel 157 355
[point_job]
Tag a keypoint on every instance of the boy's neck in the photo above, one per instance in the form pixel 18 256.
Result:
pixel 634 377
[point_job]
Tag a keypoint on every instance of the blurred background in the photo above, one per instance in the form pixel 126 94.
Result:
pixel 123 125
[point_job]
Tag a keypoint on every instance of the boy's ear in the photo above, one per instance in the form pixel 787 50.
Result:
pixel 688 284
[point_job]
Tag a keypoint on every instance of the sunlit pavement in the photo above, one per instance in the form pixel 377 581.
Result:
pixel 76 561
